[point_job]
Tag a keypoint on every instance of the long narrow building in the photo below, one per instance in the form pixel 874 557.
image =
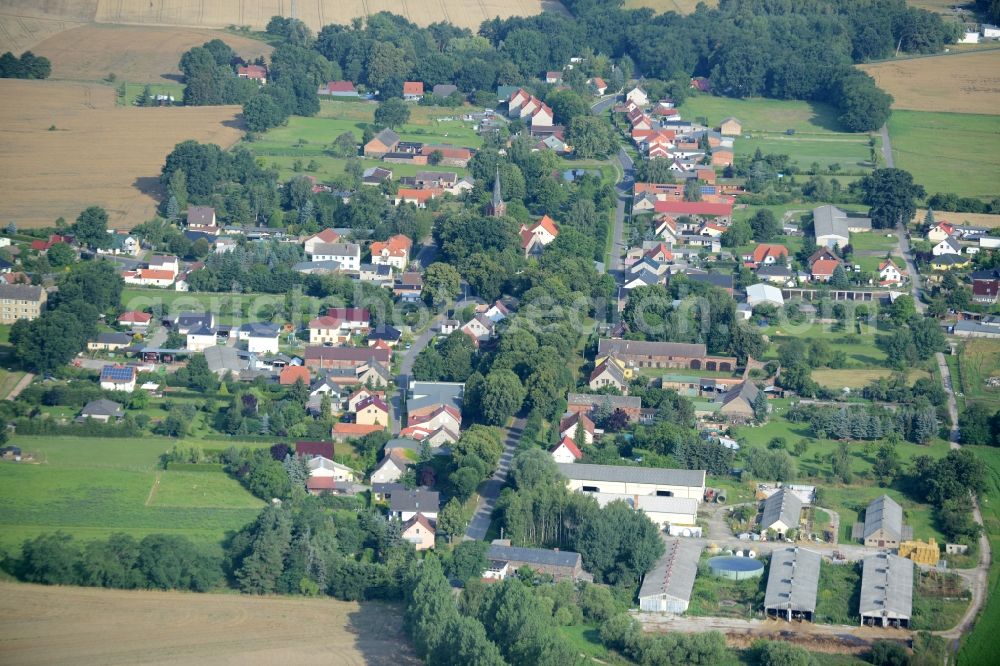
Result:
pixel 667 588
pixel 626 480
pixel 886 591
pixel 791 584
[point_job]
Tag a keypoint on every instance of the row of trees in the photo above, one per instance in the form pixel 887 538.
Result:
pixel 28 66
pixel 917 423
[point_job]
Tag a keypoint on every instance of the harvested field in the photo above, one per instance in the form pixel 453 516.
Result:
pixel 58 625
pixel 98 154
pixel 661 6
pixel 134 54
pixel 21 33
pixel 974 219
pixel 959 83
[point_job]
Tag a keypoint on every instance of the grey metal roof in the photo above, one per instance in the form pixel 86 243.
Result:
pixel 783 505
pixel 886 586
pixel 974 327
pixel 774 270
pixel 387 137
pixel 595 401
pixel 830 221
pixel 540 556
pixel 329 265
pixel 427 501
pixel 429 394
pixel 337 249
pixel 883 513
pixel 642 348
pixel 626 474
pixel 746 390
pixel 221 359
pixel 650 503
pixel 792 580
pixel 674 573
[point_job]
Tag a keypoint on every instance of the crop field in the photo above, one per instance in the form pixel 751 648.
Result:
pixel 91 487
pixel 57 625
pixel 975 219
pixel 959 83
pixel 133 53
pixel 855 378
pixel 19 33
pixel 65 146
pixel 948 152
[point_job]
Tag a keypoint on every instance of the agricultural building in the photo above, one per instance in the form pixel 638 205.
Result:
pixel 886 591
pixel 883 527
pixel 560 564
pixel 791 584
pixel 667 588
pixel 920 552
pixel 781 512
pixel 623 480
pixel 663 511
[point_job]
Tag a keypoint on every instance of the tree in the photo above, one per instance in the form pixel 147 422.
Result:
pixel 902 309
pixel 765 225
pixel 977 426
pixel 393 112
pixel 468 560
pixel 591 137
pixel 838 280
pixel 760 407
pixel 886 463
pixel 442 283
pixel 91 228
pixel 60 255
pixel 738 233
pixel 200 376
pixel 692 190
pixel 891 195
pixel 781 653
pixel 261 113
pixel 345 145
pixel 501 397
pixel 888 653
pixel 452 521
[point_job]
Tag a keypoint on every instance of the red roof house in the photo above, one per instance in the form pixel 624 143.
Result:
pixel 324 449
pixel 698 208
pixel 292 373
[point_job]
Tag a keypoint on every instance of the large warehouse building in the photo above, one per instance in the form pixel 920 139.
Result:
pixel 791 584
pixel 883 527
pixel 667 588
pixel 622 480
pixel 886 591
pixel 663 511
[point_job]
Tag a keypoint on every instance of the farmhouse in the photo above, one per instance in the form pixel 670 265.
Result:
pixel 639 354
pixel 453 156
pixel 667 588
pixel 256 73
pixel 590 403
pixel 118 378
pixel 738 402
pixel 566 451
pixel 623 480
pixel 791 584
pixel 573 420
pixel 833 226
pixel 560 564
pixel 608 373
pixel 413 91
pixel 382 143
pixel 883 526
pixel 781 512
pixel 886 591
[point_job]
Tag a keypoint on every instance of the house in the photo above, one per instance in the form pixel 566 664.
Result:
pixel 781 512
pixel 883 526
pixel 382 492
pixel 394 252
pixel 640 354
pixel 338 325
pixel 737 402
pixel 408 287
pixel 200 339
pixel 637 96
pixel 608 373
pixel 822 269
pixel 940 231
pixel 345 358
pixel 417 197
pixel 121 244
pixel 443 90
pixel 338 89
pixel 381 144
pixel 776 274
pixel 889 273
pixel 202 219
pixel 102 410
pixel 375 176
pixel 435 179
pixel 325 237
pixel 946 262
pixel 293 373
pixel 886 591
pixel 667 587
pixel 311 449
pixel 183 322
pixel 425 398
pixel 320 466
pixel 261 339
pixel 730 127
pixel 420 531
pixel 348 255
pixel 372 411
pixel 947 246
pixel 721 212
pixel 566 451
pixel 256 73
pixel 453 156
pixel 147 277
pixel 536 237
pixel 405 504
pixel 560 564
pixel 118 378
pixel 766 254
pixel 625 480
pixel 598 85
pixel 389 470
pixel 21 301
pixel 571 421
pixel 555 78
pixel 110 342
pixel 137 321
pixel 413 91
pixel 342 431
pixel 833 226
pixel 792 581
pixel 385 334
pixel 985 285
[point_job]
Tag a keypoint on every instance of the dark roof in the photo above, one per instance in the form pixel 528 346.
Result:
pixel 539 556
pixel 102 407
pixel 117 373
pixel 783 505
pixel 387 488
pixel 385 332
pixel 324 449
pixel 744 390
pixel 200 214
pixel 358 354
pixel 642 348
pixel 20 292
pixel 387 137
pixel 622 473
pixel 723 280
pixel 443 89
pixel 114 338
pixel 415 500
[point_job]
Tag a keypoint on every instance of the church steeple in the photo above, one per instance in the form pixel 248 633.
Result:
pixel 497 207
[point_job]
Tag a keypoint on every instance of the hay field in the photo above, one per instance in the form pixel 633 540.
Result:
pixel 661 6
pixel 59 625
pixel 98 154
pixel 959 83
pixel 315 13
pixel 974 219
pixel 140 54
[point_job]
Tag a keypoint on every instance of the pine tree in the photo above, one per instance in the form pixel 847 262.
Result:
pixel 265 424
pixel 325 407
pixel 929 219
pixel 173 208
pixel 760 407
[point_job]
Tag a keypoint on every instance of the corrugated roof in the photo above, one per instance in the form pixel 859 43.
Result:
pixel 885 514
pixel 792 580
pixel 783 505
pixel 540 556
pixel 675 572
pixel 886 586
pixel 642 348
pixel 625 474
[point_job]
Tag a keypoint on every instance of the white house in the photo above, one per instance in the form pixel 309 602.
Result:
pixel 325 236
pixel 969 36
pixel 566 451
pixel 939 232
pixel 637 96
pixel 889 273
pixel 262 343
pixel 389 470
pixel 348 255
pixel 200 339
pixel 948 246
pixel 326 468
pixel 118 378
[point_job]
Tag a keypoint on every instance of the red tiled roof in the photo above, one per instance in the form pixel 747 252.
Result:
pixel 349 314
pixel 340 86
pixel 765 250
pixel 420 196
pixel 694 208
pixel 824 266
pixel 326 236
pixel 324 449
pixel 321 483
pixel 252 71
pixel 355 429
pixel 154 274
pixel 659 249
pixel 571 446
pixel 135 317
pixel 413 87
pixel 548 224
pixel 454 152
pixel 398 245
pixel 292 373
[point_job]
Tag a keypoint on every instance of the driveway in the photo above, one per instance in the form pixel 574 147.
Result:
pixel 489 491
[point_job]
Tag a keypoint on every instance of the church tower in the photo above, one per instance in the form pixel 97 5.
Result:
pixel 497 207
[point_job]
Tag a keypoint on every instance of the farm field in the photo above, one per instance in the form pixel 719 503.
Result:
pixel 96 154
pixel 962 158
pixel 90 488
pixel 850 152
pixel 975 219
pixel 856 378
pixel 959 83
pixel 139 54
pixel 19 33
pixel 50 625
pixel 660 6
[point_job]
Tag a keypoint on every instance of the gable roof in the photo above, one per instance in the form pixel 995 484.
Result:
pixel 886 586
pixel 118 374
pixel 694 208
pixel 322 449
pixel 883 513
pixel 387 137
pixel 570 446
pixel 576 418
pixel 420 519
pixel 793 579
pixel 415 500
pixel 102 407
pixel 765 250
pixel 290 374
pixel 626 474
pixel 642 348
pixel 783 505
pixel 539 556
pixel 612 369
pixel 413 87
pixel 134 317
pixel 824 266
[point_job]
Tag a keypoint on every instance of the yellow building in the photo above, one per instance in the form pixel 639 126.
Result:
pixel 920 552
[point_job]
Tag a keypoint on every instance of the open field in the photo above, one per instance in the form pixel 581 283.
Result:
pixel 660 6
pixel 975 219
pixel 851 151
pixel 140 54
pixel 981 642
pixel 948 152
pixel 766 115
pixel 856 378
pixel 55 625
pixel 20 33
pixel 96 155
pixel 959 83
pixel 978 360
pixel 91 487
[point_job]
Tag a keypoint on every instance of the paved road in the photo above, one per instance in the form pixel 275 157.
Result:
pixel 886 147
pixel 603 104
pixel 406 368
pixel 489 492
pixel 622 188
pixel 428 253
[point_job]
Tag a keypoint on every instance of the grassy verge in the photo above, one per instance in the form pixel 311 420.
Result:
pixel 981 642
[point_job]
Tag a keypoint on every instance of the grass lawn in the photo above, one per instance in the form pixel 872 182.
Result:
pixel 860 348
pixel 331 167
pixel 134 90
pixel 91 488
pixel 850 152
pixel 978 645
pixel 586 640
pixel 839 593
pixel 228 308
pixel 856 378
pixel 8 380
pixel 765 115
pixel 875 241
pixel 977 361
pixel 948 152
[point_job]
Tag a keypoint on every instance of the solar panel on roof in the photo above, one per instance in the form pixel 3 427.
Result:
pixel 117 374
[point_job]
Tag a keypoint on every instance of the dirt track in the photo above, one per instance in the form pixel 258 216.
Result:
pixel 60 625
